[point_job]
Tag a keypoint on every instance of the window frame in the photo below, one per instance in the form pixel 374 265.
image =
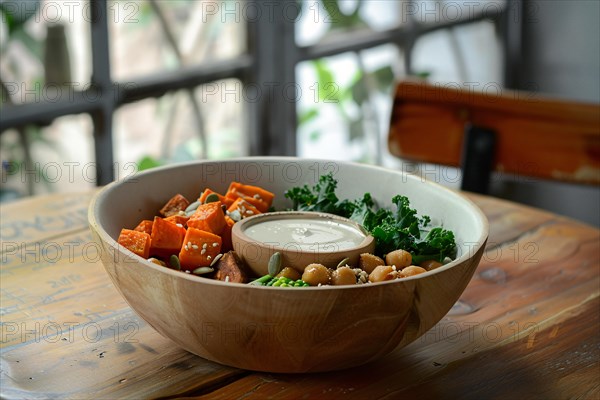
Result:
pixel 266 118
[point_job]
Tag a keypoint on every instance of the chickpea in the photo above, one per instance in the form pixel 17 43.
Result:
pixel 399 258
pixel 411 271
pixel 430 264
pixel 368 262
pixel 343 276
pixel 383 273
pixel 290 273
pixel 315 274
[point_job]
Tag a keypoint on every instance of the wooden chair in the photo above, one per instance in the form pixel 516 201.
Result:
pixel 516 133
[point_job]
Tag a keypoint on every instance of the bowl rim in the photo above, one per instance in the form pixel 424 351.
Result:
pixel 96 225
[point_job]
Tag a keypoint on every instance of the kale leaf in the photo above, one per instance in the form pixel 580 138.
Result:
pixel 320 197
pixel 395 229
pixel 437 245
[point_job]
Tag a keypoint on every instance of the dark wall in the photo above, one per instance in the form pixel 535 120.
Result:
pixel 561 57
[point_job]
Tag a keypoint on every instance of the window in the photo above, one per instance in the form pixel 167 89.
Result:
pixel 165 81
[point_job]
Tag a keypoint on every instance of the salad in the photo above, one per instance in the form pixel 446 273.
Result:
pixel 195 236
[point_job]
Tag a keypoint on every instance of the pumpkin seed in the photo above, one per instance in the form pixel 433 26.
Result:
pixel 211 198
pixel 202 270
pixel 174 261
pixel 343 262
pixel 275 264
pixel 192 207
pixel 235 215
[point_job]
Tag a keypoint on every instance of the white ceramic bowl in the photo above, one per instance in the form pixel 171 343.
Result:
pixel 281 329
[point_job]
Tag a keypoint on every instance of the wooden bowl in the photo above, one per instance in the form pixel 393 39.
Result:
pixel 278 329
pixel 256 253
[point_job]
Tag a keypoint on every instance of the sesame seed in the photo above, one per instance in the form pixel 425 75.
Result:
pixel 208 257
pixel 204 245
pixel 215 244
pixel 189 244
pixel 203 251
pixel 186 247
pixel 195 246
pixel 249 212
pixel 256 196
pixel 179 225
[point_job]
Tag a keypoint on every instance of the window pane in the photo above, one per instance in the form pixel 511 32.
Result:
pixel 44 50
pixel 171 128
pixel 153 36
pixel 343 112
pixel 469 56
pixel 61 158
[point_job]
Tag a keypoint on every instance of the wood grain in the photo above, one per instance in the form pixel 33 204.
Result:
pixel 552 363
pixel 526 326
pixel 65 331
pixel 526 329
pixel 535 136
pixel 272 329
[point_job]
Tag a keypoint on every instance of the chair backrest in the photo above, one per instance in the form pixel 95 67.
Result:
pixel 533 136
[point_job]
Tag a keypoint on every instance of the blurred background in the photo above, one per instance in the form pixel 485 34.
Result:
pixel 94 91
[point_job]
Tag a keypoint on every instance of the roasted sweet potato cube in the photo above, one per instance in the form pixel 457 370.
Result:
pixel 244 208
pixel 199 249
pixel 225 200
pixel 135 241
pixel 226 235
pixel 174 205
pixel 208 217
pixel 144 226
pixel 257 196
pixel 167 237
pixel 178 219
pixel 259 204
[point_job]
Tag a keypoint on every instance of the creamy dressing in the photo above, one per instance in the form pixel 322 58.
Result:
pixel 307 233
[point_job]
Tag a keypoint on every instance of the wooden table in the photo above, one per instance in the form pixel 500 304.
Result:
pixel 527 325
